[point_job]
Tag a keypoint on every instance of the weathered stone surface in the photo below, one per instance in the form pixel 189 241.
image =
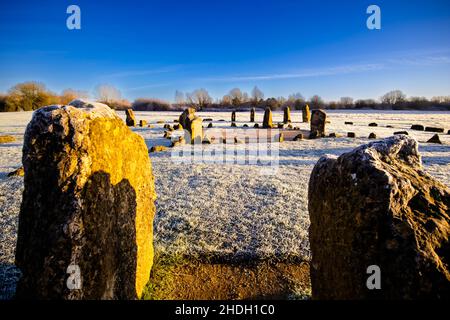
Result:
pixel 318 121
pixel 88 201
pixel 377 206
pixel 417 127
pixel 351 135
pixel 252 115
pixel 306 114
pixel 142 123
pixel 196 130
pixel 372 135
pixel 287 115
pixel 131 119
pixel 435 139
pixel 233 116
pixel 267 121
pixel 433 129
pixel 210 125
pixel 186 117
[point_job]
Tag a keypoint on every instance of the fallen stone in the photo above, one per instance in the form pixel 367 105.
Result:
pixel 373 124
pixel 237 140
pixel 401 132
pixel 435 139
pixel 233 124
pixel 417 127
pixel 348 122
pixel 7 139
pixel 376 209
pixel 87 207
pixel 351 135
pixel 256 125
pixel 298 137
pixel 179 142
pixel 433 129
pixel 210 125
pixel 332 135
pixel 17 173
pixel 372 135
pixel 142 123
pixel 158 148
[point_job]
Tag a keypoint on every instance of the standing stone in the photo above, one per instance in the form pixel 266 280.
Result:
pixel 376 206
pixel 318 121
pixel 287 115
pixel 306 114
pixel 186 117
pixel 233 116
pixel 435 139
pixel 267 121
pixel 196 130
pixel 87 207
pixel 142 123
pixel 131 120
pixel 252 115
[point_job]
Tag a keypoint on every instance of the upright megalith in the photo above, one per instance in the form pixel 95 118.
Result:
pixel 318 122
pixel 267 120
pixel 233 116
pixel 85 223
pixel 378 220
pixel 306 114
pixel 287 115
pixel 252 115
pixel 131 119
pixel 192 125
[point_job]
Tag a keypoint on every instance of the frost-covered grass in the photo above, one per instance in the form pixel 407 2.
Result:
pixel 232 211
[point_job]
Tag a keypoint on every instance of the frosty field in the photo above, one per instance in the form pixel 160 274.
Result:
pixel 232 211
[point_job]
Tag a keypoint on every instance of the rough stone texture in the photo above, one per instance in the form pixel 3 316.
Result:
pixel 6 139
pixel 318 121
pixel 17 173
pixel 372 135
pixel 88 200
pixel 131 120
pixel 186 117
pixel 233 116
pixel 306 114
pixel 376 206
pixel 158 149
pixel 267 121
pixel 287 115
pixel 196 130
pixel 142 123
pixel 252 115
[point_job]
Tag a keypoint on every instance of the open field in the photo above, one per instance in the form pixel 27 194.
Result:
pixel 230 213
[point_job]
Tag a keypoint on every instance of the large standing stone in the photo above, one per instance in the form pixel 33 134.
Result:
pixel 376 206
pixel 252 115
pixel 267 121
pixel 306 114
pixel 318 121
pixel 131 120
pixel 233 116
pixel 186 117
pixel 196 130
pixel 88 203
pixel 287 115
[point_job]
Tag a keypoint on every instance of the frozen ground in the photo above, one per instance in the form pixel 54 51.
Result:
pixel 232 210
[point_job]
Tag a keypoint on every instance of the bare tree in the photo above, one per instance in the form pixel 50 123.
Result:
pixel 236 96
pixel 257 95
pixel 393 97
pixel 107 93
pixel 347 101
pixel 199 97
pixel 68 95
pixel 296 96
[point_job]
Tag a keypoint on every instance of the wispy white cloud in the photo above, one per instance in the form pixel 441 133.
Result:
pixel 135 73
pixel 421 60
pixel 303 74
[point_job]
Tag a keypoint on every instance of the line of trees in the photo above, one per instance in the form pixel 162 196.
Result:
pixel 29 96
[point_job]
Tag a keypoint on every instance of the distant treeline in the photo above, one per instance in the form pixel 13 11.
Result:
pixel 29 96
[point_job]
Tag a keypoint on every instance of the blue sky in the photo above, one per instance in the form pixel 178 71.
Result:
pixel 152 48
